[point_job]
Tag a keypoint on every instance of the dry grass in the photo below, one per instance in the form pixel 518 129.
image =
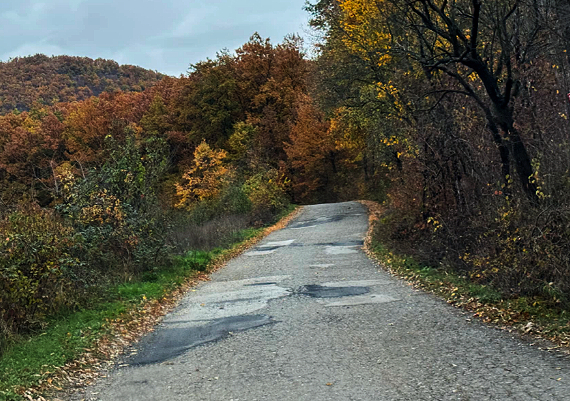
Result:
pixel 215 233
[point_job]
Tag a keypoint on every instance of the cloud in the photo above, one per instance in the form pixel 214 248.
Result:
pixel 161 35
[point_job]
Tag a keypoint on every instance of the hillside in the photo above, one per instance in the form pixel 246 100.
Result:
pixel 49 80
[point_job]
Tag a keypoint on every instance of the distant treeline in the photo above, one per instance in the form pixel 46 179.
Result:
pixel 25 81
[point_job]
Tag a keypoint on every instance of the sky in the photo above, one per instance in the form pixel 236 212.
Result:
pixel 162 35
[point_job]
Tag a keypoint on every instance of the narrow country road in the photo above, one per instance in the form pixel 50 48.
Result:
pixel 307 316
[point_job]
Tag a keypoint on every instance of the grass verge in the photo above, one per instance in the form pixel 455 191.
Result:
pixel 531 316
pixel 72 348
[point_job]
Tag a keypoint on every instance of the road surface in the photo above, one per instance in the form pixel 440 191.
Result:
pixel 307 316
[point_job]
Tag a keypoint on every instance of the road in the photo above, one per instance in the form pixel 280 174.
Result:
pixel 307 316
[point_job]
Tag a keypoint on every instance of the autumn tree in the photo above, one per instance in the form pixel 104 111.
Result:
pixel 31 147
pixel 205 179
pixel 482 46
pixel 311 153
pixel 88 123
pixel 273 106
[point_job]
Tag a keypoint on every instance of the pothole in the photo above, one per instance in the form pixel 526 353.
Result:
pixel 173 342
pixel 319 291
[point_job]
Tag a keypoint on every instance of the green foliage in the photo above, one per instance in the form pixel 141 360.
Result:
pixel 210 107
pixel 241 142
pixel 154 121
pixel 234 200
pixel 115 210
pixel 266 193
pixel 36 267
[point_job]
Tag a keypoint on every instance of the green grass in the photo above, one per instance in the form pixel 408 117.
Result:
pixel 31 359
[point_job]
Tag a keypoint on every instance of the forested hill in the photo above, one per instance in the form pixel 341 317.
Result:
pixel 49 80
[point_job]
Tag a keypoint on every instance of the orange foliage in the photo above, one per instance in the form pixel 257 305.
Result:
pixel 310 151
pixel 50 80
pixel 89 122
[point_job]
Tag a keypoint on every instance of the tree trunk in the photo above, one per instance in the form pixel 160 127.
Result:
pixel 523 164
pixel 503 149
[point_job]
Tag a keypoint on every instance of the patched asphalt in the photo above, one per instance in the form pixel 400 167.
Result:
pixel 306 315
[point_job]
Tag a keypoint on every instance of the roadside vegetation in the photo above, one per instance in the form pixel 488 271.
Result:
pixel 454 115
pixel 531 316
pixel 115 200
pixel 459 113
pixel 535 316
pixel 71 346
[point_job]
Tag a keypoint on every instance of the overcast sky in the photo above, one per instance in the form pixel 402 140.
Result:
pixel 162 35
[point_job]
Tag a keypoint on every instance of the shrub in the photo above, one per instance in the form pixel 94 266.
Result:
pixel 266 193
pixel 35 268
pixel 116 210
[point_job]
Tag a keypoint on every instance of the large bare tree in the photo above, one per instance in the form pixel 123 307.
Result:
pixel 483 45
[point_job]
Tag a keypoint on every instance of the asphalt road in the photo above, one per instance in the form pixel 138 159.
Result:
pixel 307 316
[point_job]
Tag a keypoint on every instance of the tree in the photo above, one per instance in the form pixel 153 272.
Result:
pixel 31 147
pixel 272 77
pixel 481 46
pixel 88 123
pixel 204 180
pixel 209 106
pixel 311 152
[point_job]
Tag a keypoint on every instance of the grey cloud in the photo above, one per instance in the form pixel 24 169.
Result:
pixel 162 35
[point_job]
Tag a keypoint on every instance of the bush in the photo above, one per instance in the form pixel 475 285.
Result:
pixel 116 211
pixel 35 268
pixel 524 251
pixel 267 195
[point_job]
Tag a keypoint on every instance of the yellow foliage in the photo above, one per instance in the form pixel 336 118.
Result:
pixel 349 137
pixel 205 178
pixel 103 208
pixel 386 89
pixel 362 22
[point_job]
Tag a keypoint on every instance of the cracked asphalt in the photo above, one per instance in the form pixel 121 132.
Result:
pixel 307 316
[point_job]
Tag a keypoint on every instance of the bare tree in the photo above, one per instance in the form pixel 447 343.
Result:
pixel 483 45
